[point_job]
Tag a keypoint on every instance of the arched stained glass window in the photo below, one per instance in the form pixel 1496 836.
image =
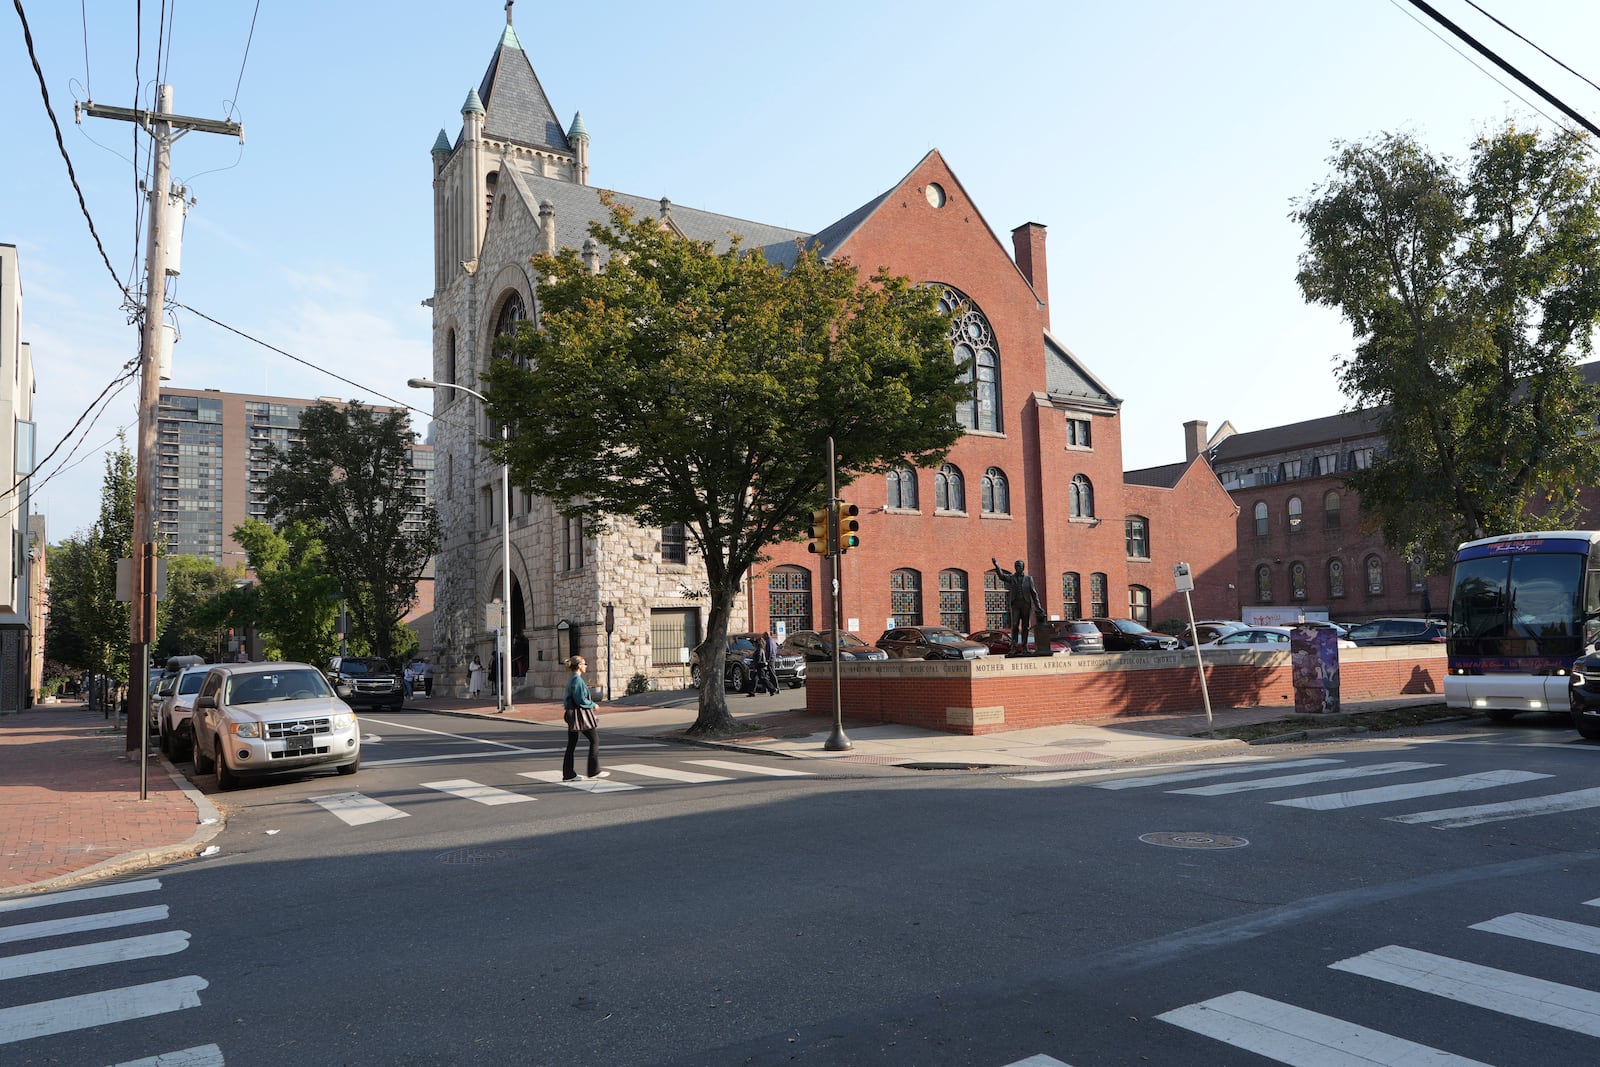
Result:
pixel 949 492
pixel 789 598
pixel 905 597
pixel 1335 578
pixel 1297 580
pixel 1080 498
pixel 1374 574
pixel 1264 584
pixel 901 489
pixel 973 344
pixel 953 600
pixel 1071 596
pixel 996 492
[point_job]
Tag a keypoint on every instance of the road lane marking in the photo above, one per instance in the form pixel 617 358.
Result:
pixel 27 1021
pixel 1546 931
pixel 1302 1038
pixel 1448 818
pixel 79 923
pixel 358 810
pixel 1384 794
pixel 198 1056
pixel 672 774
pixel 467 789
pixel 750 768
pixel 43 900
pixel 93 955
pixel 588 785
pixel 1283 781
pixel 1189 776
pixel 1039 1061
pixel 1517 995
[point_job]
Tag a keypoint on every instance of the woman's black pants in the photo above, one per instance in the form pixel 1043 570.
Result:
pixel 572 747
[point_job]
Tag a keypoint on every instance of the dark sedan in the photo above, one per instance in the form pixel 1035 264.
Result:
pixel 929 642
pixel 1125 635
pixel 1398 632
pixel 817 646
pixel 1080 635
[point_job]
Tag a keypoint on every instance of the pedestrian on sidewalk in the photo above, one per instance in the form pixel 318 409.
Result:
pixel 475 678
pixel 580 719
pixel 410 677
pixel 756 677
pixel 770 646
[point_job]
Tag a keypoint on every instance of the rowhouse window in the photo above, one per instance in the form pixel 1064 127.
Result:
pixel 1260 512
pixel 1138 537
pixel 1296 517
pixel 1330 511
pixel 1078 433
pixel 675 545
pixel 1139 604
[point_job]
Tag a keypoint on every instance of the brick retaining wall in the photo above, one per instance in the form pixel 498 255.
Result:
pixel 997 694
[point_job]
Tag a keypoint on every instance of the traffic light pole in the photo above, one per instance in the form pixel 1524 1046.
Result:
pixel 837 741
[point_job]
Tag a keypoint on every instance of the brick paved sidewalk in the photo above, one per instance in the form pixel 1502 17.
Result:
pixel 69 801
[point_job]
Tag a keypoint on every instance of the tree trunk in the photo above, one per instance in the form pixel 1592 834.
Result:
pixel 713 719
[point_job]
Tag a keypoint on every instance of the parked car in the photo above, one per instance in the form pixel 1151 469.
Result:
pixel 1585 696
pixel 816 646
pixel 1209 631
pixel 790 668
pixel 1125 635
pixel 929 642
pixel 162 680
pixel 175 709
pixel 271 718
pixel 998 642
pixel 373 683
pixel 1398 632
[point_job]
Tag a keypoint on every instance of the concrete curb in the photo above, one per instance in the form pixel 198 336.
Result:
pixel 211 823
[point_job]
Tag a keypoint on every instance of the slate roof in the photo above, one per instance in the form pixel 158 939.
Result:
pixel 1066 378
pixel 516 108
pixel 1166 476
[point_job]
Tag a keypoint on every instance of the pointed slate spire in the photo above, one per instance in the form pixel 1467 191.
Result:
pixel 441 144
pixel 577 129
pixel 473 104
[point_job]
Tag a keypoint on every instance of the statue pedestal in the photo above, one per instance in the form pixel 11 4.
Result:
pixel 1041 639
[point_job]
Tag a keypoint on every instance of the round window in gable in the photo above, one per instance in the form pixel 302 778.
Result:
pixel 935 194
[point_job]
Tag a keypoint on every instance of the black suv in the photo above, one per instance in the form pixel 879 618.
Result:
pixel 373 683
pixel 737 665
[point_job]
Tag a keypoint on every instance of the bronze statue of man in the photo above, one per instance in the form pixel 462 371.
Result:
pixel 1022 597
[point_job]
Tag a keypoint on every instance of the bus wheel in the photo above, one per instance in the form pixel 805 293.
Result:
pixel 1501 715
pixel 1587 725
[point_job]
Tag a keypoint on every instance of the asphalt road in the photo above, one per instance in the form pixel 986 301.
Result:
pixel 458 906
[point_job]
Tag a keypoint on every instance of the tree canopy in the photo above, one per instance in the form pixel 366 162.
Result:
pixel 88 627
pixel 349 479
pixel 681 385
pixel 1472 289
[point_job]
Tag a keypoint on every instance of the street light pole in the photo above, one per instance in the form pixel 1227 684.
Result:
pixel 504 703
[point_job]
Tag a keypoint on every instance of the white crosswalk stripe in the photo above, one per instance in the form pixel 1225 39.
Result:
pixel 587 785
pixel 1477 815
pixel 1557 932
pixel 1039 1061
pixel 467 789
pixel 1519 995
pixel 671 774
pixel 1292 1035
pixel 751 768
pixel 357 809
pixel 198 1056
pixel 1210 772
pixel 1286 780
pixel 1388 793
pixel 105 1006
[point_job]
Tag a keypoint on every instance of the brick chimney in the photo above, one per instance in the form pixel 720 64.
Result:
pixel 1027 241
pixel 1194 438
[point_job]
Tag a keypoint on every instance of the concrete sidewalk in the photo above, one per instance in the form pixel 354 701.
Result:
pixel 69 797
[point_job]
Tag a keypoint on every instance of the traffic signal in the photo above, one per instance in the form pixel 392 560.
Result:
pixel 848 526
pixel 821 542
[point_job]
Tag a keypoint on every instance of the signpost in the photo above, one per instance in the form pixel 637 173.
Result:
pixel 1185 585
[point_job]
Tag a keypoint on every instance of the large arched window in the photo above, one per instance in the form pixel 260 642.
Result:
pixel 1296 512
pixel 972 341
pixel 1260 513
pixel 1330 510
pixel 789 598
pixel 905 597
pixel 1080 498
pixel 512 312
pixel 949 491
pixel 953 600
pixel 996 492
pixel 1099 596
pixel 902 489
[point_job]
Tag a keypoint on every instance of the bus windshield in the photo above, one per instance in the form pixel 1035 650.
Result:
pixel 1525 605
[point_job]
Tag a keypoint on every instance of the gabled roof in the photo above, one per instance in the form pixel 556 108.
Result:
pixel 515 106
pixel 1166 476
pixel 1067 380
pixel 1330 429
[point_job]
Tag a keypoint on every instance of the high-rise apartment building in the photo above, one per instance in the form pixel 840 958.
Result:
pixel 212 462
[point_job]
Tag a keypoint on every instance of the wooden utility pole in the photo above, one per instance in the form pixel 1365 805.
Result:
pixel 164 241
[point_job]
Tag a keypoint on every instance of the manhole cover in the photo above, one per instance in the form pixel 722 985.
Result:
pixel 1193 839
pixel 470 856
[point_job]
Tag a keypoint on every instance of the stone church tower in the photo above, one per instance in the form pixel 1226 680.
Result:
pixel 513 184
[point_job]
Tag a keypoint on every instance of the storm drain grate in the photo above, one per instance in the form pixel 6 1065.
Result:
pixel 472 856
pixel 1192 839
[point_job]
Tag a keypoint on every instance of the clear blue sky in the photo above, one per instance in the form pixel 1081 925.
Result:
pixel 1160 141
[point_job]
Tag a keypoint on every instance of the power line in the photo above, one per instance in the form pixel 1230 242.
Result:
pixel 249 39
pixel 44 92
pixel 1530 44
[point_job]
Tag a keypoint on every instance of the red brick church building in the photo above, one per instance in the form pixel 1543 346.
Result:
pixel 1038 475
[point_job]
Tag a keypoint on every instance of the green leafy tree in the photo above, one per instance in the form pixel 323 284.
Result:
pixel 1473 291
pixel 293 605
pixel 187 626
pixel 349 480
pixel 683 385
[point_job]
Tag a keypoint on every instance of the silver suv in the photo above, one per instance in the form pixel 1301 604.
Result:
pixel 271 718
